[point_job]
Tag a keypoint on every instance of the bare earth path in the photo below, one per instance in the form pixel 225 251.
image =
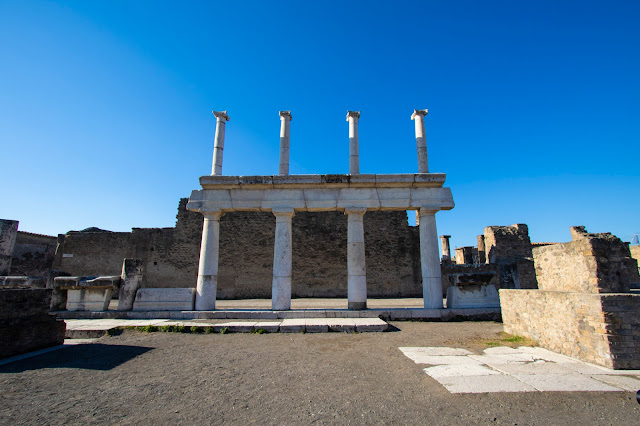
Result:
pixel 172 378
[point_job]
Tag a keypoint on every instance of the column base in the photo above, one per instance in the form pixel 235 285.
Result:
pixel 357 306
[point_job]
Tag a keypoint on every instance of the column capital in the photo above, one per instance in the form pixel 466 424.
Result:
pixel 355 114
pixel 283 212
pixel 419 112
pixel 221 115
pixel 422 211
pixel 213 215
pixel 445 236
pixel 286 114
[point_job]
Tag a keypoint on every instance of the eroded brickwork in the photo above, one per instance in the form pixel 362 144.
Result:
pixel 33 255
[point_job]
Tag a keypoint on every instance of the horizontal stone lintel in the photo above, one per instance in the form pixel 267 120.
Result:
pixel 321 198
pixel 410 180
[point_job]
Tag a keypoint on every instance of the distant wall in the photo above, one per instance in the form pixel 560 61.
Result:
pixel 33 255
pixel 170 255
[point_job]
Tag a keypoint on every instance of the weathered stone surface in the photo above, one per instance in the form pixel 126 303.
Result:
pixel 88 299
pixel 473 296
pixel 132 273
pixel 25 323
pixel 164 299
pixel 33 255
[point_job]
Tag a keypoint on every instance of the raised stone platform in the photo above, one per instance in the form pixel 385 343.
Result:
pixel 480 314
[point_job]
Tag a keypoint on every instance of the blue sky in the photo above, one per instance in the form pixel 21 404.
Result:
pixel 105 106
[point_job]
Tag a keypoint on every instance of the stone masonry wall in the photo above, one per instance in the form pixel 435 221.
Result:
pixel 170 255
pixel 583 308
pixel 635 253
pixel 33 255
pixel 509 247
pixel 600 328
pixel 591 263
pixel 25 323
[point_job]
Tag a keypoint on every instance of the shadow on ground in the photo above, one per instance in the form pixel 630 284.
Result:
pixel 96 356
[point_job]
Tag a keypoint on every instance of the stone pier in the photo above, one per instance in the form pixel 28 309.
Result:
pixel 8 233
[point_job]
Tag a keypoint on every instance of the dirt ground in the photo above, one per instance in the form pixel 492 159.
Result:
pixel 172 378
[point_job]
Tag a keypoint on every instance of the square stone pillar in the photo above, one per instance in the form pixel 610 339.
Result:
pixel 8 233
pixel 430 260
pixel 207 284
pixel 356 266
pixel 282 251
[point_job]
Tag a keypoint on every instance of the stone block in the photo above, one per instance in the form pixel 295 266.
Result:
pixel 316 325
pixel 473 296
pixel 293 325
pixel 88 299
pixel 164 299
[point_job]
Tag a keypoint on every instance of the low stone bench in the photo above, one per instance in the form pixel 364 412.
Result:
pixel 473 296
pixel 164 299
pixel 87 293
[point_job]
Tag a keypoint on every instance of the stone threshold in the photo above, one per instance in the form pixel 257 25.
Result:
pixel 461 314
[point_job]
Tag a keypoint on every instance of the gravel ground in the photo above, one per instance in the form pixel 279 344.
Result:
pixel 171 378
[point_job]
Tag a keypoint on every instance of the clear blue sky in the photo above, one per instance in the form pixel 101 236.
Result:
pixel 105 106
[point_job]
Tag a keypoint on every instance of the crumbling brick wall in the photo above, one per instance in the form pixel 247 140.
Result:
pixel 509 247
pixel 170 255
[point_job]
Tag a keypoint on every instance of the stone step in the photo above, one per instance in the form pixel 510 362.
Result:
pixel 82 329
pixel 469 314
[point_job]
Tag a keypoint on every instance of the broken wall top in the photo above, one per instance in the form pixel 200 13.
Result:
pixel 590 263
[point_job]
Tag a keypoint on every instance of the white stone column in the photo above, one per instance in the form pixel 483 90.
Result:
pixel 218 146
pixel 282 250
pixel 430 260
pixel 207 284
pixel 354 159
pixel 285 121
pixel 421 139
pixel 356 265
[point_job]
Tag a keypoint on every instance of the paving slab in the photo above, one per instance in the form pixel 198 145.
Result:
pixel 564 383
pixel 370 325
pixel 438 351
pixel 623 382
pixel 420 358
pixel 316 325
pixel 236 326
pixel 347 325
pixel 459 370
pixel 485 384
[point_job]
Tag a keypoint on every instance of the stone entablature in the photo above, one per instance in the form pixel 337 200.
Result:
pixel 321 193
